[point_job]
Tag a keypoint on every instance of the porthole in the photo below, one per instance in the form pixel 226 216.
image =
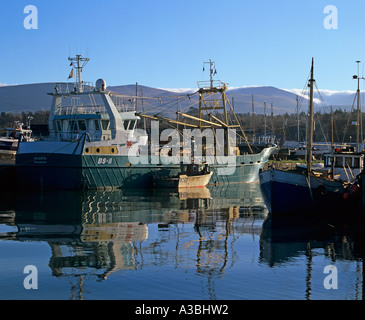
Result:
pixel 97 150
pixel 87 150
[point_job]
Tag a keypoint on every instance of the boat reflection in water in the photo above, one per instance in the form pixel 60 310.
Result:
pixel 96 233
pixel 212 243
pixel 284 240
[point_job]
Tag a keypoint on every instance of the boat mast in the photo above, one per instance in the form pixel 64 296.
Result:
pixel 264 119
pixel 272 123
pixel 358 107
pixel 253 121
pixel 297 98
pixel 78 60
pixel 310 126
pixel 216 87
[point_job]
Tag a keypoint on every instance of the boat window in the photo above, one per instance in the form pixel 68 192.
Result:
pixel 126 124
pixel 97 127
pixel 82 125
pixel 72 126
pixel 105 124
pixel 59 127
pixel 356 163
pixel 338 162
pixel 132 124
pixel 327 161
pixel 348 162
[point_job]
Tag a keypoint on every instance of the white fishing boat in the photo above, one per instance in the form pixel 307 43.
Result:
pixel 10 137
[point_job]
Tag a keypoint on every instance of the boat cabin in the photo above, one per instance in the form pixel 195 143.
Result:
pixel 16 133
pixel 76 114
pixel 345 162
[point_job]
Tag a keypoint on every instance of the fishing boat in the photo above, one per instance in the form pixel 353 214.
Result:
pixel 307 192
pixel 94 143
pixel 9 138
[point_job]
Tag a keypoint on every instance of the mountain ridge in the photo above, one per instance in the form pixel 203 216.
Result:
pixel 34 97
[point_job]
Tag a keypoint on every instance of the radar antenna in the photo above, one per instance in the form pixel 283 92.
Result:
pixel 78 63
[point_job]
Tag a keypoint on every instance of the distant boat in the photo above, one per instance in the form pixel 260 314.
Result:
pixel 309 192
pixel 9 139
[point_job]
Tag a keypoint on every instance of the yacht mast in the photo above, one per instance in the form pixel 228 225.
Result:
pixel 358 107
pixel 310 126
pixel 253 121
pixel 297 98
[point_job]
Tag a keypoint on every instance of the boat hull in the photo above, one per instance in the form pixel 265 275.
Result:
pixel 184 181
pixel 293 194
pixel 198 181
pixel 44 170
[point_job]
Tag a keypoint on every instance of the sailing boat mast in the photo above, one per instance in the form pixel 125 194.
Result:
pixel 310 126
pixel 253 121
pixel 358 107
pixel 298 119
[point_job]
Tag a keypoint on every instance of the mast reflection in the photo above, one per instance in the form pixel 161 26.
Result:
pixel 93 234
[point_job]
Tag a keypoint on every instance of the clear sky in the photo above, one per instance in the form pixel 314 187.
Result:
pixel 163 43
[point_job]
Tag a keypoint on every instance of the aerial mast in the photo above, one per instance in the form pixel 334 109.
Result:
pixel 78 63
pixel 207 91
pixel 212 71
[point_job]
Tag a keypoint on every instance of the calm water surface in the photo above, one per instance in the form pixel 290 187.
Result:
pixel 217 243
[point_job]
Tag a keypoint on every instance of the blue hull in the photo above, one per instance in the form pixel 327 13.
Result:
pixel 294 194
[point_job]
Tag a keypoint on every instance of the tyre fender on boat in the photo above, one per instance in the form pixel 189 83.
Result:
pixel 322 190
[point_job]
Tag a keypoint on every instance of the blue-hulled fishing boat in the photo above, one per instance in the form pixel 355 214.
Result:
pixel 94 143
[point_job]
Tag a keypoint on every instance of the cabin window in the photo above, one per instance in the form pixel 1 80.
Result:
pixel 97 127
pixel 356 163
pixel 132 124
pixel 126 124
pixel 338 162
pixel 82 125
pixel 329 161
pixel 59 126
pixel 72 126
pixel 105 124
pixel 348 162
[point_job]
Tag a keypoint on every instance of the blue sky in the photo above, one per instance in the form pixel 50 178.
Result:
pixel 162 43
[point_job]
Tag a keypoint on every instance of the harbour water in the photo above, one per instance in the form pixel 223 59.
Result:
pixel 213 244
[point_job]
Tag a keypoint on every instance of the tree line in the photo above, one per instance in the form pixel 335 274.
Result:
pixel 7 119
pixel 341 127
